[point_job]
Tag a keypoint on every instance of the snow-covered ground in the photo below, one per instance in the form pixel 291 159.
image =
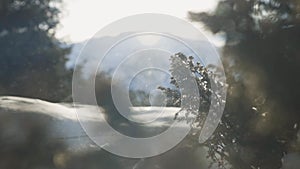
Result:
pixel 17 115
pixel 64 123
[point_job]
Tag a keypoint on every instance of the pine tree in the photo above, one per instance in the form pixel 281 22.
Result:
pixel 32 60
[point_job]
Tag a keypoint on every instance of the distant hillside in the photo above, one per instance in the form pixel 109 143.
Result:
pixel 95 48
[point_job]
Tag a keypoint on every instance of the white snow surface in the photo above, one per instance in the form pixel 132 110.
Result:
pixel 63 121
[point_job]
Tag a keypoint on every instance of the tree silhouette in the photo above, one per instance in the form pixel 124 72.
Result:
pixel 32 60
pixel 261 60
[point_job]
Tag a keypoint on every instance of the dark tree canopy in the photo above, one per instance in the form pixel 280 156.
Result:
pixel 32 60
pixel 261 59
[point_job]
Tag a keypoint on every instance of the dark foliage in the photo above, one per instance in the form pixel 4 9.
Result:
pixel 32 60
pixel 261 58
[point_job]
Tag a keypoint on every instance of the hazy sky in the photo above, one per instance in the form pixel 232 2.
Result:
pixel 83 18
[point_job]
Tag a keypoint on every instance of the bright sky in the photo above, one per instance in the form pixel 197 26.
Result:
pixel 83 18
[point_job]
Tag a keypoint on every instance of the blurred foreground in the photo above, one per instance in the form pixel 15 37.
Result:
pixel 40 134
